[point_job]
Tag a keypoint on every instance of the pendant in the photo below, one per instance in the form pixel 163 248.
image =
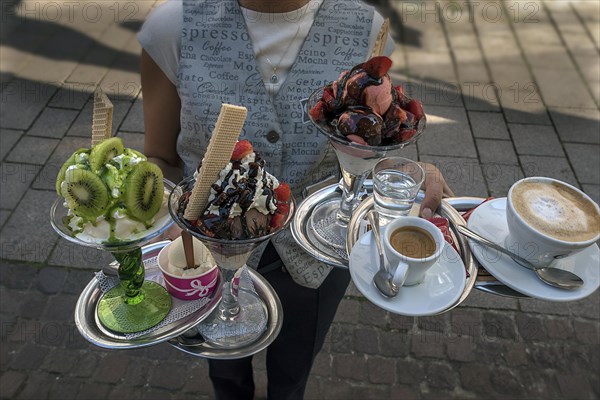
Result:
pixel 274 78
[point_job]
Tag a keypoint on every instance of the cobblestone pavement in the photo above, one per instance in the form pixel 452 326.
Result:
pixel 511 89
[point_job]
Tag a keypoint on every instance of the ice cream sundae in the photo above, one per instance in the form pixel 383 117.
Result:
pixel 245 202
pixel 363 106
pixel 113 193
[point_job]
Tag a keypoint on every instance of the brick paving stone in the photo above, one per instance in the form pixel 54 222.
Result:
pixel 496 152
pixel 169 375
pixel 323 365
pixel 587 308
pixel 465 322
pixel 515 354
pixel 4 214
pixel 372 315
pixel 409 371
pixel 553 167
pixel 558 85
pixel 475 376
pixel 47 177
pixel 93 390
pixel 401 322
pixel 30 220
pixel 558 328
pixel 530 328
pixel 10 383
pixel 366 340
pixel 72 95
pixel 64 390
pixel 498 325
pixel 10 301
pixel 53 122
pixel 36 386
pixel 32 150
pixel 83 124
pixel 112 368
pixel 573 385
pixel 381 370
pixel 463 175
pixel 15 179
pixel 77 281
pixel 348 311
pixel 80 257
pixel 536 140
pixel 440 376
pixel 577 125
pixel 448 133
pixel 544 307
pixel 428 344
pixel 17 276
pixel 488 125
pixel 200 384
pixel 8 138
pixel 437 323
pixel 86 365
pixel 593 191
pixel 60 361
pixel 587 332
pixel 60 308
pixel 30 357
pixel 132 140
pixel 22 101
pixel 461 349
pixel 393 344
pixel 134 121
pixel 500 178
pixel 506 382
pixel 351 366
pixel 544 356
pixel 32 305
pixel 585 161
pixel 51 280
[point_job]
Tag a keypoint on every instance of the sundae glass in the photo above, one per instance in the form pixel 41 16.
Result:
pixel 365 119
pixel 114 200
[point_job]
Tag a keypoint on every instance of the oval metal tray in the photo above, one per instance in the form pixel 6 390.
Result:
pixel 90 328
pixel 193 344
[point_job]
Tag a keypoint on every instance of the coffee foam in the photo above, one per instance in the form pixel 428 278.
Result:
pixel 556 210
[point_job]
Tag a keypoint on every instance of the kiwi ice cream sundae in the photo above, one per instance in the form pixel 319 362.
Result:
pixel 113 193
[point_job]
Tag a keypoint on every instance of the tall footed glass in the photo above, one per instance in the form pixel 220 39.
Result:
pixel 330 219
pixel 241 317
pixel 135 304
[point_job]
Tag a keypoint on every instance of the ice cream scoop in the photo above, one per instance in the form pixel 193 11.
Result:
pixel 177 265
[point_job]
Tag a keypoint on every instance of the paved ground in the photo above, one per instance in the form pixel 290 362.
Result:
pixel 512 89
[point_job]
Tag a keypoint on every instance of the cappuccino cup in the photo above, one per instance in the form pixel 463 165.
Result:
pixel 549 220
pixel 412 246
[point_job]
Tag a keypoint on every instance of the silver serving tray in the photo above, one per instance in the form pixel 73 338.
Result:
pixel 193 344
pixel 91 329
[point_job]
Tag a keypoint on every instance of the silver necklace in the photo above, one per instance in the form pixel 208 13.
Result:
pixel 274 77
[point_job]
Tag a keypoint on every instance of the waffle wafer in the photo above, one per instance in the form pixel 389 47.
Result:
pixel 218 154
pixel 381 41
pixel 101 117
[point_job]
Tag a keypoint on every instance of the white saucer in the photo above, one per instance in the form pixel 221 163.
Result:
pixel 489 220
pixel 442 288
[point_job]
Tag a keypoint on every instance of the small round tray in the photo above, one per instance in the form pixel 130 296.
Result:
pixel 357 228
pixel 88 325
pixel 195 345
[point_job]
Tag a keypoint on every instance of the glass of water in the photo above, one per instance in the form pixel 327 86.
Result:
pixel 396 184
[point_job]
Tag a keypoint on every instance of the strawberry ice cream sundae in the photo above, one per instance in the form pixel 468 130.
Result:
pixel 364 107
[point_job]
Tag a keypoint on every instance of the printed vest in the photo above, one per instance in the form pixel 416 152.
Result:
pixel 217 65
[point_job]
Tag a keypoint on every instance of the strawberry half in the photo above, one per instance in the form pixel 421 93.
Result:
pixel 241 150
pixel 415 107
pixel 377 67
pixel 317 113
pixel 283 193
pixel 277 221
pixel 283 208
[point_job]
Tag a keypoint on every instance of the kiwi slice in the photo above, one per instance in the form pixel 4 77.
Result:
pixel 105 151
pixel 87 196
pixel 61 173
pixel 144 189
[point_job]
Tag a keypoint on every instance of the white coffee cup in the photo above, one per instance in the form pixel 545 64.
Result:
pixel 408 271
pixel 549 220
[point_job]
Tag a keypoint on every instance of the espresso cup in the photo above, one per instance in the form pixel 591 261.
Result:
pixel 412 245
pixel 549 220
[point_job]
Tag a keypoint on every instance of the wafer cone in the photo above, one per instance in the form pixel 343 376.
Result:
pixel 218 154
pixel 101 117
pixel 381 41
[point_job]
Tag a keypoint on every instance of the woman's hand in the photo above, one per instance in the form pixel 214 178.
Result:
pixel 435 187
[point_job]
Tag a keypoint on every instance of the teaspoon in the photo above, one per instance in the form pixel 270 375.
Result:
pixel 383 278
pixel 556 277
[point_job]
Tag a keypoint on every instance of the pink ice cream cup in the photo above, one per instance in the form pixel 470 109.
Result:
pixel 187 287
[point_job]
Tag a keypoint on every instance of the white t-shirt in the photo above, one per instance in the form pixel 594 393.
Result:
pixel 277 38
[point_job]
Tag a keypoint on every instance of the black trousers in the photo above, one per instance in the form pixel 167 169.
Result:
pixel 307 316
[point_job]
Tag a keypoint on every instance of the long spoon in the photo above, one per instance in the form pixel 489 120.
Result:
pixel 383 278
pixel 556 277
